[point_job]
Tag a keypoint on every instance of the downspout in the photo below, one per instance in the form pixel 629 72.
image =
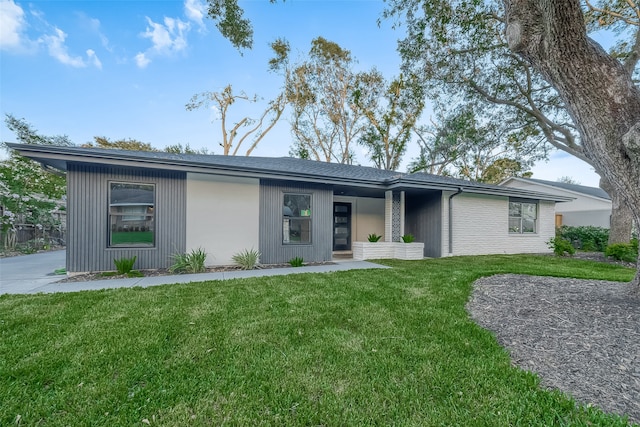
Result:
pixel 451 219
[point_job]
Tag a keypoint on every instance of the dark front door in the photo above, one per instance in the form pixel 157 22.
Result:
pixel 341 226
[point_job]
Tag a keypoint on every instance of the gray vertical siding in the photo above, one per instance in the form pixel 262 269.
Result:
pixel 87 217
pixel 271 247
pixel 423 219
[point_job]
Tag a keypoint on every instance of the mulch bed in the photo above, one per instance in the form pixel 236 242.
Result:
pixel 165 272
pixel 581 337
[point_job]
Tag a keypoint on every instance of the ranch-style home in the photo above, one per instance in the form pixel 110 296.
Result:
pixel 156 204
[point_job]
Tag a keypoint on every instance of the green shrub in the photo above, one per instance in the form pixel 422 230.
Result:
pixel 408 238
pixel 192 262
pixel 296 262
pixel 586 238
pixel 634 244
pixel 561 246
pixel 622 252
pixel 373 237
pixel 125 265
pixel 247 259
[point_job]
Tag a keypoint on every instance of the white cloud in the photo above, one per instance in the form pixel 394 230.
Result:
pixel 141 60
pixel 167 39
pixel 93 58
pixel 196 10
pixel 12 26
pixel 57 48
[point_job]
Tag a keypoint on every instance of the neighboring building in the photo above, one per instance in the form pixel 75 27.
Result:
pixel 153 204
pixel 590 205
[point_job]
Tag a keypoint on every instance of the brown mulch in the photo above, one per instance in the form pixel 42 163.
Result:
pixel 581 337
pixel 87 277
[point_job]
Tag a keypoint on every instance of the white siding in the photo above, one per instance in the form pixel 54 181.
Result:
pixel 480 227
pixel 222 215
pixel 367 216
pixel 584 210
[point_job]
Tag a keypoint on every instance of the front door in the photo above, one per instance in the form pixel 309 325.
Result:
pixel 341 226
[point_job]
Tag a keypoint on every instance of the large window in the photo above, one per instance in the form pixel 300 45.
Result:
pixel 296 219
pixel 523 217
pixel 131 214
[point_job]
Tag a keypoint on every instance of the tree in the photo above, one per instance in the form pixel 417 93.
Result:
pixel 256 129
pixel 462 51
pixel 120 144
pixel 29 195
pixel 391 110
pixel 320 89
pixel 186 149
pixel 568 180
pixel 596 88
pixel 464 147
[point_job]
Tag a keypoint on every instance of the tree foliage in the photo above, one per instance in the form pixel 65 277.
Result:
pixel 464 146
pixel 119 144
pixel 245 129
pixel 326 120
pixel 391 110
pixel 29 195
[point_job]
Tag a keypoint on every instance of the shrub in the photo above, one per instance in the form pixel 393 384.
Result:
pixel 561 246
pixel 586 238
pixel 296 262
pixel 373 237
pixel 125 265
pixel 192 262
pixel 247 259
pixel 622 252
pixel 408 238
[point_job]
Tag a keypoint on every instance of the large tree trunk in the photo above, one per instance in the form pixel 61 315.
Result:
pixel 621 215
pixel 596 89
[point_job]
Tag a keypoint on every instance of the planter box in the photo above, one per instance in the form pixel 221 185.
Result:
pixel 381 250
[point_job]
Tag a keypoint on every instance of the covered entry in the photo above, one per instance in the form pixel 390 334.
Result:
pixel 341 226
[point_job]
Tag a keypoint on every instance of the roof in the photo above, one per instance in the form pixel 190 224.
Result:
pixel 281 168
pixel 575 188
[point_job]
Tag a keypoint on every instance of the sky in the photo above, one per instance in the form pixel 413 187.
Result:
pixel 126 69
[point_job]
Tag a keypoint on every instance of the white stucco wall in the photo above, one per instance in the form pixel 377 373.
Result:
pixel 480 227
pixel 222 215
pixel 583 210
pixel 367 216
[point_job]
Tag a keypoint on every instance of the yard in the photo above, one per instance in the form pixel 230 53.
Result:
pixel 368 347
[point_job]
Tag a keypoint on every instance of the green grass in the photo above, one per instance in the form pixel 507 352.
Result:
pixel 373 347
pixel 120 238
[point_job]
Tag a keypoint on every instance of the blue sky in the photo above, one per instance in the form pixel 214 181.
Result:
pixel 126 69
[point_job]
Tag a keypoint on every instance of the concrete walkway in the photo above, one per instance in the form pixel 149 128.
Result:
pixel 28 275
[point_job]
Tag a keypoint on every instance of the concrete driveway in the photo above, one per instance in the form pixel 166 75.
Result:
pixel 29 271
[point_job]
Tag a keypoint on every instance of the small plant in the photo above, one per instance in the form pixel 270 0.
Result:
pixel 561 246
pixel 60 271
pixel 408 238
pixel 622 252
pixel 125 265
pixel 192 262
pixel 373 237
pixel 247 259
pixel 296 262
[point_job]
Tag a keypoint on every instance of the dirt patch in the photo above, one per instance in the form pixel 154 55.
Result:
pixel 580 336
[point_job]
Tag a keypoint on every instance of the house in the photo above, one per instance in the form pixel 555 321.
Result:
pixel 589 205
pixel 155 204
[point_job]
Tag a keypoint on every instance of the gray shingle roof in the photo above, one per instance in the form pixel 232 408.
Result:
pixel 590 191
pixel 288 168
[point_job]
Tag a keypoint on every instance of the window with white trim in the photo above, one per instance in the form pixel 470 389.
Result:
pixel 296 219
pixel 523 217
pixel 131 214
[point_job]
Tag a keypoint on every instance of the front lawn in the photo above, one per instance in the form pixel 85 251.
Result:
pixel 372 347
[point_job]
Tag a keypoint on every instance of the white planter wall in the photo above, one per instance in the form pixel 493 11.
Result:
pixel 381 250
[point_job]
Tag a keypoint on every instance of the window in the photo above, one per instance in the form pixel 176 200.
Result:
pixel 523 217
pixel 296 219
pixel 131 214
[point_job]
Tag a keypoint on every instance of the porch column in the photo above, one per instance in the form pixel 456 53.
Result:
pixel 393 215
